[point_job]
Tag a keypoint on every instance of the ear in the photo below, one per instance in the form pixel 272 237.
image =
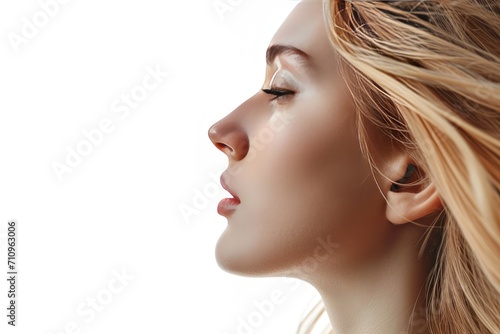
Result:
pixel 410 199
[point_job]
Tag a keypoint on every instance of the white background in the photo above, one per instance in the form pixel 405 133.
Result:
pixel 119 209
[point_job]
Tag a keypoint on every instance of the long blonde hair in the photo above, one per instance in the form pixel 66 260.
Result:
pixel 427 73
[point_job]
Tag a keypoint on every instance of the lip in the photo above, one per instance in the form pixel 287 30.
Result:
pixel 227 205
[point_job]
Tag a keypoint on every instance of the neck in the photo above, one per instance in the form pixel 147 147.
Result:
pixel 385 296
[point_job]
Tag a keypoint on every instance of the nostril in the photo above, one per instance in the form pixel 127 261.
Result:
pixel 224 148
pixel 231 139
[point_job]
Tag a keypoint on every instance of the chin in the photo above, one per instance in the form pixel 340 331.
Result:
pixel 232 258
pixel 248 257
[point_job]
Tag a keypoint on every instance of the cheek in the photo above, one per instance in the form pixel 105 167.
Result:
pixel 315 164
pixel 307 184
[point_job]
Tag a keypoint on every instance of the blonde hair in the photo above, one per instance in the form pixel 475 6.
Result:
pixel 427 73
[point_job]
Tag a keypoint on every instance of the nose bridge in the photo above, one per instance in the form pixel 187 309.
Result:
pixel 230 134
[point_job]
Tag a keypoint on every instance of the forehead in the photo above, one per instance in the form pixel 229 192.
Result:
pixel 305 29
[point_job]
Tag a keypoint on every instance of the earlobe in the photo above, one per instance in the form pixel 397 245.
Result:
pixel 405 204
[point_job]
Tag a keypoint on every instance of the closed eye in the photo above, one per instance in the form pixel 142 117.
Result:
pixel 278 93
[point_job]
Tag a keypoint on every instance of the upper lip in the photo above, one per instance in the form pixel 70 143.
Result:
pixel 225 186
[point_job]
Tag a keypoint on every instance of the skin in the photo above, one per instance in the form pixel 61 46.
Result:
pixel 310 206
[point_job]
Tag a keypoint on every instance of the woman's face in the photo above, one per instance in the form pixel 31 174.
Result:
pixel 307 196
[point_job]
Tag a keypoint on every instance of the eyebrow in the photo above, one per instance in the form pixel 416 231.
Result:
pixel 277 49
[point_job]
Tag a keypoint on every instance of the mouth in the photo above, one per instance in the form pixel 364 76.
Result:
pixel 227 205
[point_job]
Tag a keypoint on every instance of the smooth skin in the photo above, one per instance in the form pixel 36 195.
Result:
pixel 310 206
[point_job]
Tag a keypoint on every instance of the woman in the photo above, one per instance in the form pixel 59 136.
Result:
pixel 368 165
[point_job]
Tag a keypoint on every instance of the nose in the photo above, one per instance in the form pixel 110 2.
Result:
pixel 230 137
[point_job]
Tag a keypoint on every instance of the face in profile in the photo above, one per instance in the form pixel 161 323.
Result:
pixel 303 190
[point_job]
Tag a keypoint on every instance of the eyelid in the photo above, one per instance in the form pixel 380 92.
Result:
pixel 286 80
pixel 278 93
pixel 274 77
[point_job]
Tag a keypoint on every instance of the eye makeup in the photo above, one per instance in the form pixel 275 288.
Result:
pixel 278 63
pixel 283 78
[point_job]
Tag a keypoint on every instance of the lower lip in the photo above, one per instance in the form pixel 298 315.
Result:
pixel 227 205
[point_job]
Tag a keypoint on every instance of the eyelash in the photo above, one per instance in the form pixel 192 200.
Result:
pixel 278 93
